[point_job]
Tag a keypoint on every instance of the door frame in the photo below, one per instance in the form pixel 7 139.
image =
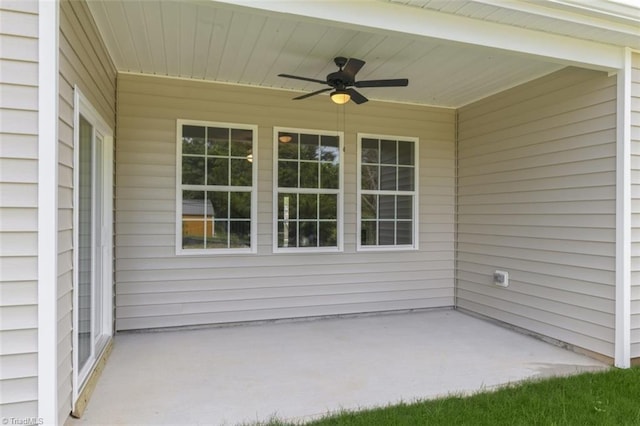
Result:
pixel 83 107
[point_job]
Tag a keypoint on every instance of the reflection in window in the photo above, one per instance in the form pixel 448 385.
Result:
pixel 387 191
pixel 308 189
pixel 216 186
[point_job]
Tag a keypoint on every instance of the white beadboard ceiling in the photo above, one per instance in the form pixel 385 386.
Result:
pixel 240 45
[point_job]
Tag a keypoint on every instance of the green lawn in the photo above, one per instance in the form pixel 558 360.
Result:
pixel 605 398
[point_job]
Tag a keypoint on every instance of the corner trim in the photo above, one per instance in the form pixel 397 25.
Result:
pixel 48 28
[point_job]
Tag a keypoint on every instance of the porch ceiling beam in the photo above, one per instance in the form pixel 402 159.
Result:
pixel 378 16
pixel 583 13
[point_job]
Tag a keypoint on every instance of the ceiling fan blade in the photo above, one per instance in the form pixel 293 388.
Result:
pixel 356 96
pixel 313 80
pixel 352 67
pixel 398 82
pixel 317 92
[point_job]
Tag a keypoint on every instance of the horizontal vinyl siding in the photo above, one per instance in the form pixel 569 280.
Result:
pixel 156 288
pixel 536 197
pixel 635 206
pixel 84 61
pixel 18 209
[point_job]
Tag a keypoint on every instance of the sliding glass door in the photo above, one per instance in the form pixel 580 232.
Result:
pixel 93 230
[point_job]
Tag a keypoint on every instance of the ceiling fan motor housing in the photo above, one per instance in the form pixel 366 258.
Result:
pixel 339 80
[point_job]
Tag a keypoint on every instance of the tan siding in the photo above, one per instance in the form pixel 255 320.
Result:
pixel 536 197
pixel 83 62
pixel 635 205
pixel 156 288
pixel 18 209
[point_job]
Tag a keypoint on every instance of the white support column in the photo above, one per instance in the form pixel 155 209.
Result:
pixel 48 26
pixel 623 218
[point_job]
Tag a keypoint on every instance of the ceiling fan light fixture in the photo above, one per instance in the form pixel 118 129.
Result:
pixel 340 97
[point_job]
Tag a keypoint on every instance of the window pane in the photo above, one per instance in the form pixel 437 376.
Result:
pixel 309 147
pixel 405 233
pixel 217 141
pixel 241 142
pixel 369 178
pixel 239 234
pixel 193 205
pixel 287 146
pixel 308 206
pixel 330 149
pixel 329 174
pixel 287 234
pixel 387 207
pixel 370 151
pixel 386 237
pixel 328 206
pixel 369 206
pixel 388 152
pixel 193 140
pixel 220 235
pixel 328 234
pixel 241 172
pixel 193 219
pixel 308 234
pixel 217 171
pixel 193 232
pixel 405 207
pixel 369 234
pixel 309 175
pixel 288 174
pixel 406 153
pixel 193 170
pixel 405 178
pixel 240 205
pixel 388 178
pixel 287 206
pixel 219 203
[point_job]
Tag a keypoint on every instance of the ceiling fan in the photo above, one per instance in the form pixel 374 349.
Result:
pixel 343 81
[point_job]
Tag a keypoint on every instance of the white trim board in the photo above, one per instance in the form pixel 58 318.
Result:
pixel 48 29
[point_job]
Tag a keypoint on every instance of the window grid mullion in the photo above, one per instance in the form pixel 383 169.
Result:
pixel 218 188
pixel 385 192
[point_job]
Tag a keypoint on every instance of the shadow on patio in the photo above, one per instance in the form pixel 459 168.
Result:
pixel 300 370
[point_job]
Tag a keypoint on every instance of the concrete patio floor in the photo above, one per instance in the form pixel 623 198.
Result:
pixel 303 369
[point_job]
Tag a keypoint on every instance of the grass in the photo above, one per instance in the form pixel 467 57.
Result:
pixel 605 398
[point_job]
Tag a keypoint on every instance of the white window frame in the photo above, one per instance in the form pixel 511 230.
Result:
pixel 415 193
pixel 254 190
pixel 339 247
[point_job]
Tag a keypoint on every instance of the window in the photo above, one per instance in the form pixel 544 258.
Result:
pixel 387 192
pixel 308 199
pixel 216 181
